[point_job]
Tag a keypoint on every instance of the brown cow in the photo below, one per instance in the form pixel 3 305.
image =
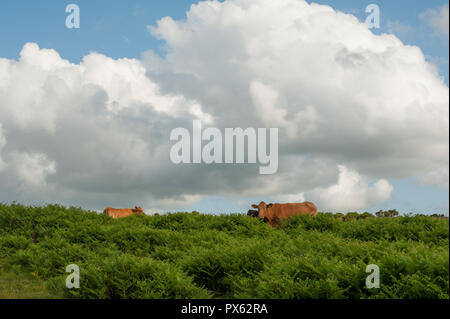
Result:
pixel 123 212
pixel 274 212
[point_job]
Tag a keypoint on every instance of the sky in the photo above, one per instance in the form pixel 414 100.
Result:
pixel 362 114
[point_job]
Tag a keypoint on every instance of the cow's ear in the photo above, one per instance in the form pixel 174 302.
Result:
pixel 254 206
pixel 270 205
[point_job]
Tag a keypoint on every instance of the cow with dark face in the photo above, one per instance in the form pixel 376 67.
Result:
pixel 252 213
pixel 273 213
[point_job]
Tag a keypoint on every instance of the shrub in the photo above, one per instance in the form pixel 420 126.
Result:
pixel 186 255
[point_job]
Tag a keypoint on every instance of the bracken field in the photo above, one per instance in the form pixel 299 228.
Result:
pixel 191 255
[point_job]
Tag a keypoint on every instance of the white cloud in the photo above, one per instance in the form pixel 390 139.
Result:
pixel 49 80
pixel 101 127
pixel 266 102
pixel 437 19
pixel 339 94
pixel 32 169
pixel 371 102
pixel 436 177
pixel 291 198
pixel 2 145
pixel 351 192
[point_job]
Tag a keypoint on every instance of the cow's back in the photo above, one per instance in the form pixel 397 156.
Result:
pixel 118 213
pixel 294 209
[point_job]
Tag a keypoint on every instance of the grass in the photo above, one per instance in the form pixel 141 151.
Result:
pixel 184 255
pixel 23 286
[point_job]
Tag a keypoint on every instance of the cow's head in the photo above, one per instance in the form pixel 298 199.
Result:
pixel 138 210
pixel 263 210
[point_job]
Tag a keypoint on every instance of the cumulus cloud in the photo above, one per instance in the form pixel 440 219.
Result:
pixel 353 110
pixel 352 191
pixel 381 108
pixel 2 145
pixel 267 106
pixel 32 169
pixel 290 198
pixel 437 19
pixel 98 127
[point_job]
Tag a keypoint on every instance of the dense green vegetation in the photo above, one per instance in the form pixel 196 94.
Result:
pixel 186 255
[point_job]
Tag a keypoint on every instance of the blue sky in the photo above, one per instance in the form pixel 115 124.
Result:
pixel 119 29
